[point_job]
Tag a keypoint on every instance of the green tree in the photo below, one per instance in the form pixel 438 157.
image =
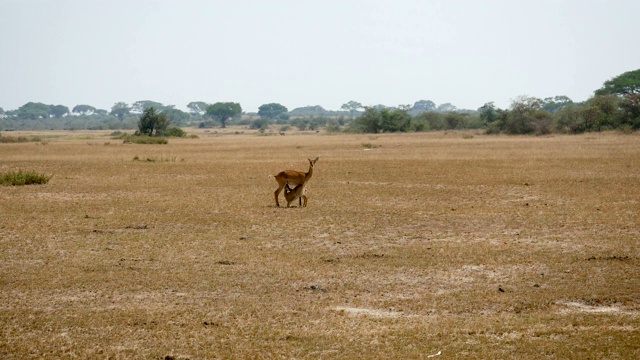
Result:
pixel 197 108
pixel 369 121
pixel 59 111
pixel 120 110
pixel 83 109
pixel 553 104
pixel 273 111
pixel 570 119
pixel 316 110
pixel 394 120
pixel 445 108
pixel 521 117
pixel 423 106
pixel 488 113
pixel 383 120
pixel 223 111
pixel 352 107
pixel 590 117
pixel 301 124
pixel 140 106
pixel 260 123
pixel 177 116
pixel 606 114
pixel 623 84
pixel 34 111
pixel 454 120
pixel 630 111
pixel 153 123
pixel 434 120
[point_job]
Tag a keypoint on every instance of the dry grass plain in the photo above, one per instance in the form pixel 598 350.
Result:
pixel 478 247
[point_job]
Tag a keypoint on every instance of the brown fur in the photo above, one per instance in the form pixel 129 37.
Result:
pixel 297 192
pixel 293 177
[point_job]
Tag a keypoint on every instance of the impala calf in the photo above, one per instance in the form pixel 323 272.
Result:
pixel 293 177
pixel 297 192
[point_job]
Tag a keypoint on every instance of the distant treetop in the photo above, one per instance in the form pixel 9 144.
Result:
pixel 624 84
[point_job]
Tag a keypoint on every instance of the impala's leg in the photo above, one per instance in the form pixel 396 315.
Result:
pixel 291 194
pixel 281 185
pixel 277 193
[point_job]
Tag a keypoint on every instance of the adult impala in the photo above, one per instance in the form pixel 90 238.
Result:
pixel 293 177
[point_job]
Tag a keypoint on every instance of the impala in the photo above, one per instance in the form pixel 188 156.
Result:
pixel 297 192
pixel 293 177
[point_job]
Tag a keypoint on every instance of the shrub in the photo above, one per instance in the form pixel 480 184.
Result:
pixel 152 123
pixel 301 124
pixel 119 135
pixel 133 139
pixel 174 131
pixel 261 123
pixel 626 129
pixel 20 177
pixel 333 129
pixel 569 119
pixel 493 128
pixel 429 120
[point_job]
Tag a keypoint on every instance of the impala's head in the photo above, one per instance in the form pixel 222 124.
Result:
pixel 314 161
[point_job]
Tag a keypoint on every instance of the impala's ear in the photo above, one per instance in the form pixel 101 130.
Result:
pixel 316 160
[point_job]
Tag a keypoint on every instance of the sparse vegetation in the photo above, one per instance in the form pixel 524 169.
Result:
pixel 370 145
pixel 154 159
pixel 494 247
pixel 23 177
pixel 19 139
pixel 140 139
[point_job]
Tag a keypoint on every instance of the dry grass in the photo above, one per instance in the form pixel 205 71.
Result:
pixel 479 247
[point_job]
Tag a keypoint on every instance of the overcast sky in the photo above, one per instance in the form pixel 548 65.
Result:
pixel 299 53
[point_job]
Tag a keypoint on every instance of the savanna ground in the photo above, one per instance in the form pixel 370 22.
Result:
pixel 466 245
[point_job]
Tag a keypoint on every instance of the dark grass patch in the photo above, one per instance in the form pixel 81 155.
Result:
pixel 133 139
pixel 19 139
pixel 21 177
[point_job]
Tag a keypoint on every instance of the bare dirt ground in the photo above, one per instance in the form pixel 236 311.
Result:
pixel 412 245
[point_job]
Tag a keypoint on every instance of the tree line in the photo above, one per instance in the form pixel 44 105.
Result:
pixel 616 105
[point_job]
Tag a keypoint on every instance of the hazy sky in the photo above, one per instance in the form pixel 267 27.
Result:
pixel 300 53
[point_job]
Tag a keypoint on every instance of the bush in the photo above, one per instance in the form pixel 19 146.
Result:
pixel 261 123
pixel 626 129
pixel 174 131
pixel 570 119
pixel 152 123
pixel 18 178
pixel 429 120
pixel 142 139
pixel 333 129
pixel 542 122
pixel 630 111
pixel 493 128
pixel 300 123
